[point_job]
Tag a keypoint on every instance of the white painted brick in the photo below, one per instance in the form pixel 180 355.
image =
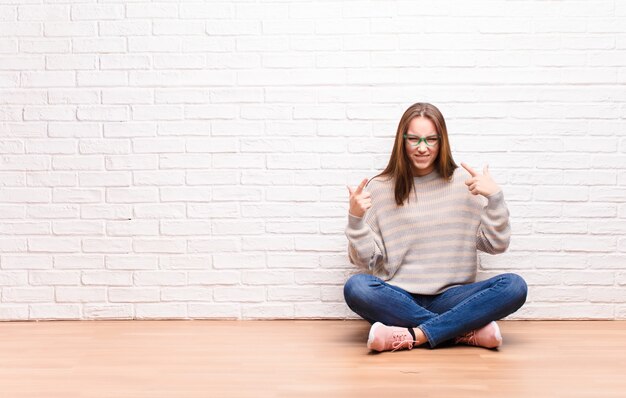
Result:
pixel 234 27
pixel 588 278
pixel 14 312
pixel 607 295
pixel 158 178
pixel 565 311
pixel 177 27
pixel 43 12
pixel 175 61
pixel 159 246
pixel 154 44
pixel 27 294
pixel 557 294
pixel 8 278
pixel 127 96
pixel 212 245
pixel 214 311
pixel 78 163
pixel 41 46
pixel 157 112
pixel 268 311
pixel 190 194
pixel 133 294
pixel 76 227
pixel 97 12
pixel 104 311
pixel 78 262
pixel 292 227
pixel 54 311
pixel 239 294
pixel 126 61
pixel 186 294
pixel 157 211
pixel 212 210
pixel 80 294
pixel 297 293
pixel 106 45
pixel 45 278
pixel 213 277
pixel 264 277
pixel 132 228
pixel 185 228
pixel 75 96
pixel 53 211
pixel 106 245
pixel 185 262
pixel 213 177
pixel 183 96
pixel 131 262
pixel 236 261
pixel 322 310
pixel 561 193
pixel 137 162
pixel 184 128
pixel 13 245
pixel 206 10
pixel 107 278
pixel 30 62
pixel 25 263
pixel 269 243
pixel 159 278
pixel 164 311
pixel 20 29
pixel 69 29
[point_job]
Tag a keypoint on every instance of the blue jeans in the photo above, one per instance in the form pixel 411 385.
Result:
pixel 441 317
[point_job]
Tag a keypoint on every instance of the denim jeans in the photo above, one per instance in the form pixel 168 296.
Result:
pixel 441 317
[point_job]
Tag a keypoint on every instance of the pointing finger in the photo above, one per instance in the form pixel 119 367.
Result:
pixel 469 169
pixel 361 186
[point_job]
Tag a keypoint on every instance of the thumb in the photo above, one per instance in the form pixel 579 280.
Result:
pixel 486 170
pixel 350 190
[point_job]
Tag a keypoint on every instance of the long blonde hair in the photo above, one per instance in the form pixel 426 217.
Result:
pixel 399 166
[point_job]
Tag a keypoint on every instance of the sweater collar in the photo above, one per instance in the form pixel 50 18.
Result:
pixel 433 175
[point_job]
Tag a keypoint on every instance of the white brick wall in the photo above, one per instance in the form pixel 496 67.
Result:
pixel 184 159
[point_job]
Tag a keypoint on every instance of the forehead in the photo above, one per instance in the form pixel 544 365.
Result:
pixel 422 126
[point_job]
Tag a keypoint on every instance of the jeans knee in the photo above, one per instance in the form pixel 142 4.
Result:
pixel 356 288
pixel 518 289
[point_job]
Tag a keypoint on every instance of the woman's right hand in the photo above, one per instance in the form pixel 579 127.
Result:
pixel 359 201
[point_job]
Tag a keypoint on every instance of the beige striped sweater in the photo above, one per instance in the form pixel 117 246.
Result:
pixel 428 245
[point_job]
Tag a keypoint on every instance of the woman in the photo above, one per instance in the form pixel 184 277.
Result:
pixel 415 232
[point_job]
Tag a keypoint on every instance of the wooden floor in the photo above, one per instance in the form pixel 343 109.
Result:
pixel 302 359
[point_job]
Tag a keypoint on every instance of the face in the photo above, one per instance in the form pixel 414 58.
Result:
pixel 422 156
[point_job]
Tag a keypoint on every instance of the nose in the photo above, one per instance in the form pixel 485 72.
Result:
pixel 422 148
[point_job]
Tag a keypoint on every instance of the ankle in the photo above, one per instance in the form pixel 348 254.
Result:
pixel 420 337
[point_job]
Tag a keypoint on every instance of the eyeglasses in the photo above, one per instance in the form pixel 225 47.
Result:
pixel 414 140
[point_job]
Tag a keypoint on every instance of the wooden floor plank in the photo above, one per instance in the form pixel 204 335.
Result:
pixel 302 358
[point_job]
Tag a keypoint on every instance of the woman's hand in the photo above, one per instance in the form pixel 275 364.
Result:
pixel 481 184
pixel 359 201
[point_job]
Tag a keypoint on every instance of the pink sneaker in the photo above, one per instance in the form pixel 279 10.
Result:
pixel 385 338
pixel 488 336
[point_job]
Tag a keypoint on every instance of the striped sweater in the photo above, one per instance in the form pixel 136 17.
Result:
pixel 429 244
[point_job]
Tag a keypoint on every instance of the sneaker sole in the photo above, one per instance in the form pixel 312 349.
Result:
pixel 498 335
pixel 370 337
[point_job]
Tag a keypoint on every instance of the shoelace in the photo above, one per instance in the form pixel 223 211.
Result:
pixel 469 338
pixel 400 339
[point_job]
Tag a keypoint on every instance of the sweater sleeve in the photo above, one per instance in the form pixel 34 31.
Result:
pixel 494 232
pixel 365 247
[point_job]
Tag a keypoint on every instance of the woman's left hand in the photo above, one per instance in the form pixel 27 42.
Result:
pixel 481 184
